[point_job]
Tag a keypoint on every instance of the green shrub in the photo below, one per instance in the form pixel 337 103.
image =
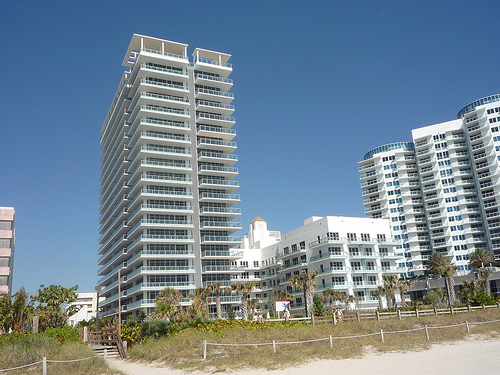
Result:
pixel 481 298
pixel 62 334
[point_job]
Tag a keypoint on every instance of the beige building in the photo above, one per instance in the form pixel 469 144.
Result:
pixel 7 242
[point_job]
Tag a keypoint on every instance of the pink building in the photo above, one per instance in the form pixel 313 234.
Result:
pixel 7 242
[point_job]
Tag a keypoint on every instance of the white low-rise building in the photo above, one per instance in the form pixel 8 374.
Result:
pixel 88 304
pixel 350 255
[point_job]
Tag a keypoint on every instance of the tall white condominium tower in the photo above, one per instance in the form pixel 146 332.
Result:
pixel 167 169
pixel 7 244
pixel 391 189
pixel 458 172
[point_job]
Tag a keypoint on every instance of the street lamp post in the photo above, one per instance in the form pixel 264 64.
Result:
pixel 97 289
pixel 305 295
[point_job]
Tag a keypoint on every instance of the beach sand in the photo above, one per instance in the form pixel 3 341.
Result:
pixel 461 357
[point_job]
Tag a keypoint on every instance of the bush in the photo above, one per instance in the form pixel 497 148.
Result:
pixel 65 333
pixel 481 298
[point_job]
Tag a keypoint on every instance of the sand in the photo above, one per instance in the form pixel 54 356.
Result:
pixel 462 357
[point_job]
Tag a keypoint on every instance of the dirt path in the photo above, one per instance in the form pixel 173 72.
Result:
pixel 463 357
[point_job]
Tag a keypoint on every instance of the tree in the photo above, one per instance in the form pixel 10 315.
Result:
pixel 22 308
pixel 306 282
pixel 379 293
pixel 217 289
pixel 435 298
pixel 244 290
pixel 331 296
pixel 390 285
pixel 167 305
pixel 319 306
pixel 480 259
pixel 403 286
pixel 6 310
pixel 440 265
pixel 54 305
pixel 199 307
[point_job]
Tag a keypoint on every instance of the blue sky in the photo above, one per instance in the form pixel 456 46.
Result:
pixel 317 84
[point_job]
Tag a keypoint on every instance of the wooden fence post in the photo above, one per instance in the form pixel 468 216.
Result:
pixel 435 310
pixel 426 332
pixel 44 366
pixel 467 326
pixel 484 307
pixel 399 314
pixel 334 319
pixel 377 316
pixel 274 346
pixel 416 313
pixel 331 342
pixel 382 335
pixel 468 308
pixel 357 316
pixel 204 350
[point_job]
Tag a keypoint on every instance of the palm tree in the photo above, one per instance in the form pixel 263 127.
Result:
pixel 167 304
pixel 200 301
pixel 217 289
pixel 379 293
pixel 439 265
pixel 244 290
pixel 479 259
pixel 403 285
pixel 390 285
pixel 331 296
pixel 306 282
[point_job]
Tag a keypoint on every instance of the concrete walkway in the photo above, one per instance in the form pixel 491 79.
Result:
pixel 464 357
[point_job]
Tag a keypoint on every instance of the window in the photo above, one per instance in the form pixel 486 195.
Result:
pixel 244 263
pixel 333 236
pixel 5 225
pixel 5 243
pixel 351 236
pixel 256 263
pixel 365 237
pixel 354 251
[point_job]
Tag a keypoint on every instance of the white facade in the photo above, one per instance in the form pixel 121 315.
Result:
pixel 350 255
pixel 456 185
pixel 167 175
pixel 88 304
pixel 7 245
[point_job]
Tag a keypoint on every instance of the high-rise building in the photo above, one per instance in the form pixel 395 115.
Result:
pixel 7 244
pixel 450 203
pixel 167 176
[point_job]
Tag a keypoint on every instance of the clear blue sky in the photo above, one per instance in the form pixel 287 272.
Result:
pixel 317 84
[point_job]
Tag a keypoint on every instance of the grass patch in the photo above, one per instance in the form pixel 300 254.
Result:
pixel 18 350
pixel 184 350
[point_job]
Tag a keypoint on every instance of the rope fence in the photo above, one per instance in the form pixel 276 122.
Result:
pixel 331 338
pixel 45 361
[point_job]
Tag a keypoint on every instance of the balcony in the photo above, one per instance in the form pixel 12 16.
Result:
pixel 220 211
pixel 217 170
pixel 222 268
pixel 221 254
pixel 217 157
pixel 215 119
pixel 292 251
pixel 232 240
pixel 218 96
pixel 213 131
pixel 218 197
pixel 208 80
pixel 333 255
